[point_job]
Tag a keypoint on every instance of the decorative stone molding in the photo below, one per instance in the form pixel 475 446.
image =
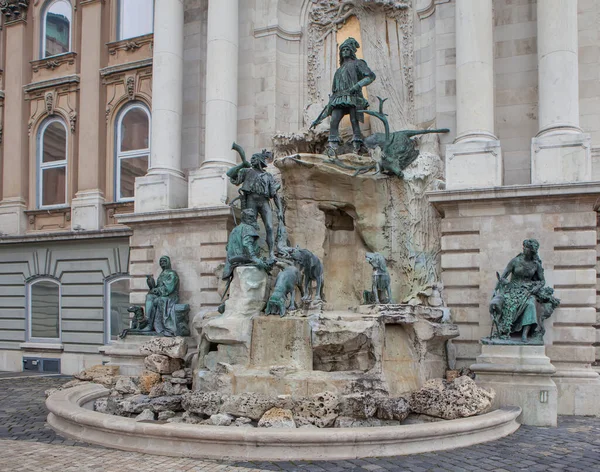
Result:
pixel 277 31
pixel 53 62
pixel 47 84
pixel 121 86
pixel 326 17
pixel 110 70
pixel 53 97
pixel 116 208
pixel 130 45
pixel 426 8
pixel 51 219
pixel 130 87
pixel 14 10
pixel 49 100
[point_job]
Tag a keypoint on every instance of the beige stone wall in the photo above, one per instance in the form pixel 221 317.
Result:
pixel 85 88
pixel 516 76
pixel 483 231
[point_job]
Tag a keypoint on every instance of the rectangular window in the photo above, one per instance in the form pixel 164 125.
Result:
pixel 52 174
pixel 136 18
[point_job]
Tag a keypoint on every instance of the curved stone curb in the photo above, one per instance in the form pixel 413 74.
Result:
pixel 68 418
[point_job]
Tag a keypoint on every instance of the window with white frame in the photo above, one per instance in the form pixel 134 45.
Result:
pixel 132 149
pixel 56 28
pixel 43 309
pixel 52 163
pixel 116 302
pixel 136 18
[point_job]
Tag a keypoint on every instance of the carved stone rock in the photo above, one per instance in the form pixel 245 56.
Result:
pixel 167 389
pixel 277 418
pixel 460 398
pixel 358 405
pixel 162 364
pixel 175 348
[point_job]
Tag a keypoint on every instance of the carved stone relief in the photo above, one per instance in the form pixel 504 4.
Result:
pixel 387 30
pixel 127 85
pixel 14 10
pixel 49 101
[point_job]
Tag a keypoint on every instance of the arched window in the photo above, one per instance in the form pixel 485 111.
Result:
pixel 43 309
pixel 136 18
pixel 132 149
pixel 56 28
pixel 52 162
pixel 116 302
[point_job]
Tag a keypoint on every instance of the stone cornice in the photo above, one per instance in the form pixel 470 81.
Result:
pixel 579 191
pixel 67 236
pixel 426 8
pixel 279 32
pixel 110 70
pixel 53 62
pixel 162 217
pixel 44 84
pixel 15 11
pixel 130 44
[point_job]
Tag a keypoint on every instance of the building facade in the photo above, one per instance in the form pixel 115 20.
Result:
pixel 118 118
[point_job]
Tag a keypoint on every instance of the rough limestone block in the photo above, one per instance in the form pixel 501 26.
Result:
pixel 202 403
pixel 321 410
pixel 221 419
pixel 277 418
pixel 162 364
pixel 96 371
pixel 176 347
pixel 146 415
pixel 281 342
pixel 250 405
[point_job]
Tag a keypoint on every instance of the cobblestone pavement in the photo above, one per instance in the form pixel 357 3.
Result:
pixel 28 445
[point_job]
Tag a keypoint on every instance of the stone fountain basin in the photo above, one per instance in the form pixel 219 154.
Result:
pixel 70 415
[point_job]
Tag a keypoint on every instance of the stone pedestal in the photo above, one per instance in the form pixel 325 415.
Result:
pixel 87 210
pixel 521 376
pixel 281 342
pixel 156 192
pixel 559 158
pixel 473 164
pixel 126 354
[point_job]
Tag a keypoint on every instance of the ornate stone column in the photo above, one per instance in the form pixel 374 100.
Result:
pixel 560 152
pixel 476 147
pixel 165 187
pixel 16 156
pixel 87 206
pixel 208 185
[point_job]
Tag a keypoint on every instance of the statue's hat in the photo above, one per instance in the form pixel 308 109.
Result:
pixel 350 43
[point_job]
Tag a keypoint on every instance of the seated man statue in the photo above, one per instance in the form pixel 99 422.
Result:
pixel 163 313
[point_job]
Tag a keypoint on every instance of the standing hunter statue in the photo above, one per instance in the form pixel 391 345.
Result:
pixel 347 97
pixel 258 188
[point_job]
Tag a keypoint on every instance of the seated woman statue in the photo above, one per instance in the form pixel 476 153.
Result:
pixel 514 306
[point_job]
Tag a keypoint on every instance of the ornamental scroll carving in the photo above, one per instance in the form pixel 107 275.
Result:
pixel 14 10
pixel 388 25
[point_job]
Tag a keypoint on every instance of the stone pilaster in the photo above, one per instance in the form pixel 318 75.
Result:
pixel 476 147
pixel 88 211
pixel 208 185
pixel 15 157
pixel 561 152
pixel 165 187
